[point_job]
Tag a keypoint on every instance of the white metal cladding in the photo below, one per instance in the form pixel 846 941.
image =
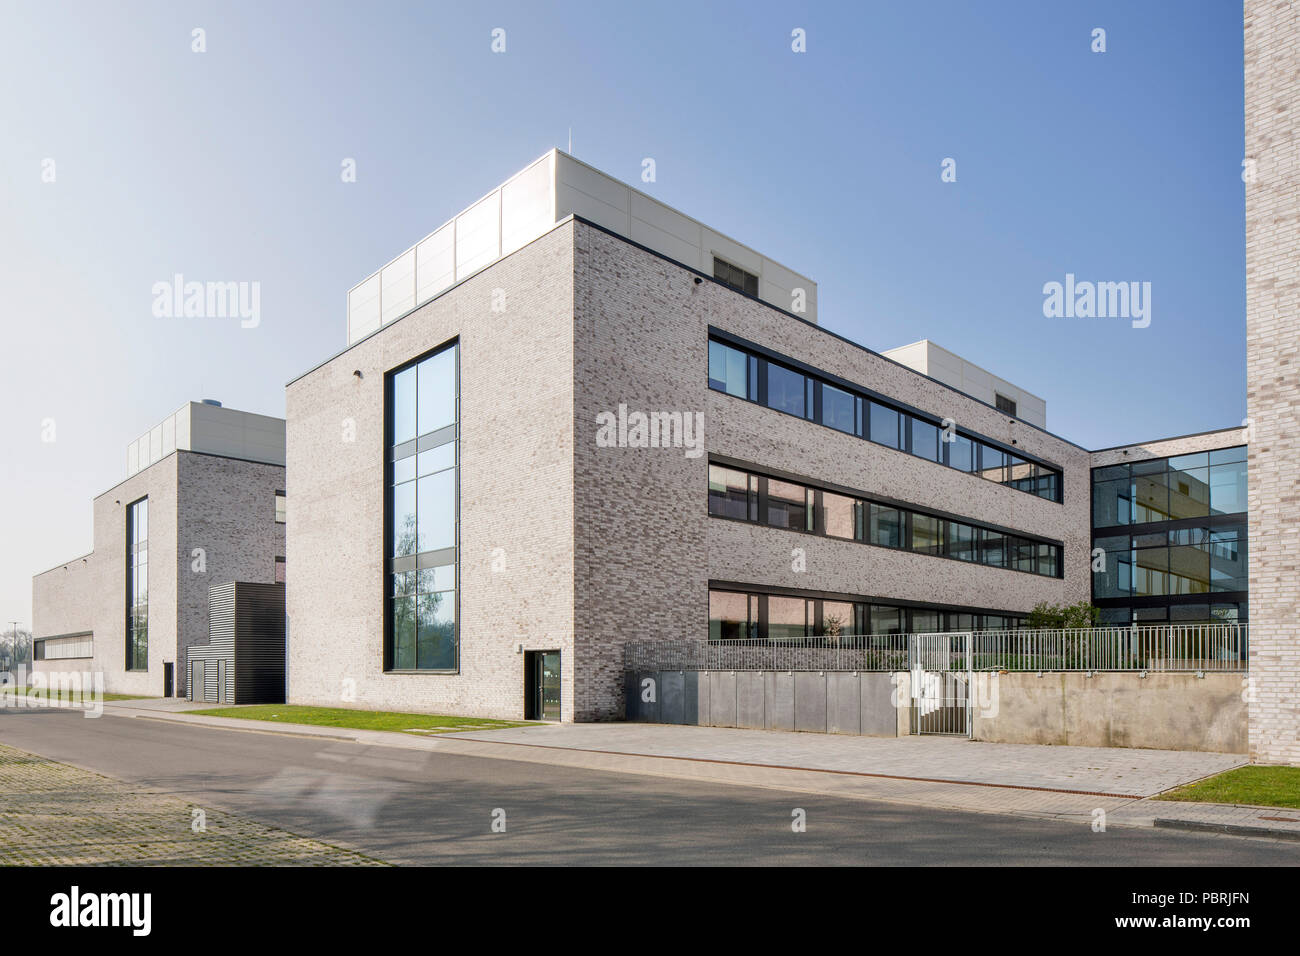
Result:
pixel 213 430
pixel 66 648
pixel 527 205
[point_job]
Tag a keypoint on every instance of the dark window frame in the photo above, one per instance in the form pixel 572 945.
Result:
pixel 1012 542
pixel 420 561
pixel 1044 481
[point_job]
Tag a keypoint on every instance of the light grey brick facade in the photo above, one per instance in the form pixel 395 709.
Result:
pixel 604 545
pixel 1272 84
pixel 224 506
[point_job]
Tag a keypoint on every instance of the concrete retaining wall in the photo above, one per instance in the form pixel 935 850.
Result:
pixel 829 702
pixel 1160 711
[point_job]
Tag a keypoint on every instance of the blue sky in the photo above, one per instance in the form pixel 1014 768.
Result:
pixel 225 165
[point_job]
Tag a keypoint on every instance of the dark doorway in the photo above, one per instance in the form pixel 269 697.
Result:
pixel 542 685
pixel 167 679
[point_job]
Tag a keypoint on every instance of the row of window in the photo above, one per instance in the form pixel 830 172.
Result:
pixel 1170 489
pixel 1171 562
pixel 746 496
pixel 1196 612
pixel 756 379
pixel 423 514
pixel 736 615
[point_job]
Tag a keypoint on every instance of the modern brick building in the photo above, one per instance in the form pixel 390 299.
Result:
pixel 1272 64
pixel 573 418
pixel 202 504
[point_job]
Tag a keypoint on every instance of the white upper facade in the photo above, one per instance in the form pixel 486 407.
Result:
pixel 529 204
pixel 210 429
pixel 951 369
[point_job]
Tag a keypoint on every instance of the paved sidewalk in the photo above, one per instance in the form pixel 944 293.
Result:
pixel 1095 770
pixel 1069 783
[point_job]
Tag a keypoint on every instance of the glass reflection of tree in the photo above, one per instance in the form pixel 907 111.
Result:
pixel 421 640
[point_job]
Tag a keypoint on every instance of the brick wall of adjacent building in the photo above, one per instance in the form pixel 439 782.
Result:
pixel 222 505
pixel 1272 86
pixel 97 592
pixel 516 492
pixel 645 548
pixel 226 509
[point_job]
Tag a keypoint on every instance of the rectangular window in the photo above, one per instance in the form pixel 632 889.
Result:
pixel 732 616
pixel 1228 488
pixel 279 570
pixel 927 534
pixel 788 618
pixel 841 516
pixel 888 620
pixel 732 371
pixel 789 505
pixel 281 511
pixel 1004 404
pixel 885 426
pixel 786 390
pixel 993 463
pixel 925 440
pixel 838 409
pixel 993 549
pixel 961 453
pixel 733 494
pixel 423 514
pixel 137 585
pixel 735 277
pixel 886 526
pixel 962 540
pixel 927 622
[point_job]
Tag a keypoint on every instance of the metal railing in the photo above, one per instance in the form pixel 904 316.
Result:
pixel 847 652
pixel 1168 648
pixel 1157 648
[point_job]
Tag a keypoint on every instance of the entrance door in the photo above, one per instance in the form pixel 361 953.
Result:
pixel 542 685
pixel 167 679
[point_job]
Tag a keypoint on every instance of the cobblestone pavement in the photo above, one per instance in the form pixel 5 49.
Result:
pixel 52 814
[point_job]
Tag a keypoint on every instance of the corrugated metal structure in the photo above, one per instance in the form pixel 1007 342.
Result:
pixel 243 661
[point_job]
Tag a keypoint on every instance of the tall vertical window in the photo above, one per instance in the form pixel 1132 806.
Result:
pixel 423 513
pixel 281 512
pixel 137 585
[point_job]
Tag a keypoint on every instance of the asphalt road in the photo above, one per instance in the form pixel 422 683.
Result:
pixel 414 807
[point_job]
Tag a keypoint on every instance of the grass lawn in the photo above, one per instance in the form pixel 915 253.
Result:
pixel 1259 786
pixel 358 719
pixel 9 689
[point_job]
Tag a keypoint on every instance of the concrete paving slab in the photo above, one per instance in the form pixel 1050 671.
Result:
pixel 1092 770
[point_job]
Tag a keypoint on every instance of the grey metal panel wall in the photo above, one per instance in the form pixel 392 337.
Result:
pixel 859 703
pixel 221 642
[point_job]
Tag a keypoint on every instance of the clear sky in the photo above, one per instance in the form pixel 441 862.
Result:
pixel 225 165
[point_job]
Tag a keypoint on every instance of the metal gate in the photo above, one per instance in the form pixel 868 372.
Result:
pixel 941 683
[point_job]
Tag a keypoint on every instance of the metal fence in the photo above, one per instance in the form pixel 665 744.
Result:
pixel 1167 648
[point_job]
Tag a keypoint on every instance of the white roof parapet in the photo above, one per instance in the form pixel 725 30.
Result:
pixel 529 204
pixel 939 363
pixel 211 429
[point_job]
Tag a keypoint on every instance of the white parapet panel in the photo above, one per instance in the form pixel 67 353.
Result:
pixel 212 430
pixel 529 204
pixel 950 368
